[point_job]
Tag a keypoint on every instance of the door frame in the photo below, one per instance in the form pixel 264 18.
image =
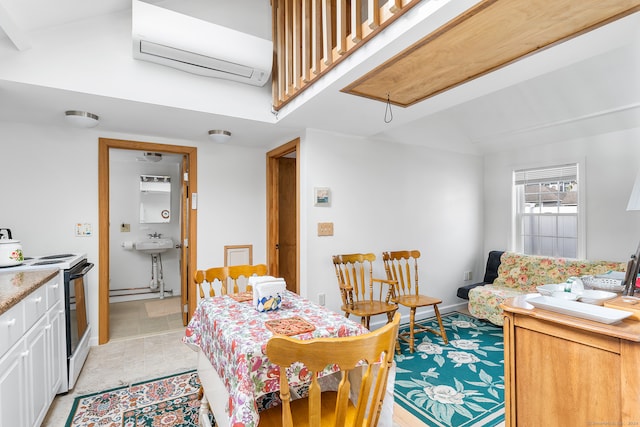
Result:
pixel 104 144
pixel 273 210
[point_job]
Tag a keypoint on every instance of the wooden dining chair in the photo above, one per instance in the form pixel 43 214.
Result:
pixel 402 268
pixel 333 408
pixel 207 280
pixel 362 294
pixel 237 272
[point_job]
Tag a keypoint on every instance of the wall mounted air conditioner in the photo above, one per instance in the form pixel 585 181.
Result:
pixel 189 44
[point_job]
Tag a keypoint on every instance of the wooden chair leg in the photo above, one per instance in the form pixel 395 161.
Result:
pixel 443 333
pixel 200 392
pixel 412 321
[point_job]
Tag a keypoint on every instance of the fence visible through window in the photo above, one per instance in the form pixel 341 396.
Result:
pixel 547 207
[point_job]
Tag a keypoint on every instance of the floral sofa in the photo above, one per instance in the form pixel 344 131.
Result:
pixel 520 274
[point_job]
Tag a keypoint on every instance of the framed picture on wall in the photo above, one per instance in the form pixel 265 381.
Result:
pixel 321 196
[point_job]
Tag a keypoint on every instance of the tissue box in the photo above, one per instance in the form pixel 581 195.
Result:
pixel 267 292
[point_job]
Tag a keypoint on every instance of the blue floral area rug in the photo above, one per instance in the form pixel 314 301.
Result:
pixel 168 401
pixel 456 385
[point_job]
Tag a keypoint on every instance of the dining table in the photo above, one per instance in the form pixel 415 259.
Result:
pixel 238 379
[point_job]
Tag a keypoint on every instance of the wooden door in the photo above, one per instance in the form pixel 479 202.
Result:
pixel 283 213
pixel 287 248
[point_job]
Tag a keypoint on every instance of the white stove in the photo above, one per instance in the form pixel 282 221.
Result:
pixel 73 270
pixel 63 261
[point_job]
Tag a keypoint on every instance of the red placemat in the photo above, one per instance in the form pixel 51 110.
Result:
pixel 289 326
pixel 242 296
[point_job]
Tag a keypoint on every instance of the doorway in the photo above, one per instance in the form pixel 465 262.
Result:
pixel 187 219
pixel 283 213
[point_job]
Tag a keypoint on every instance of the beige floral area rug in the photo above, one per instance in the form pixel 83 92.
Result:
pixel 169 401
pixel 460 384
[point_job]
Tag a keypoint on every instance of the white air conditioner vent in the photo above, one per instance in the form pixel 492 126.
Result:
pixel 198 47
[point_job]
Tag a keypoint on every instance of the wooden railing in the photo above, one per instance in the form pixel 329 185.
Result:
pixel 312 36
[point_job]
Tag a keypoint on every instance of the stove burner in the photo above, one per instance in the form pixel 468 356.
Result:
pixel 56 256
pixel 47 262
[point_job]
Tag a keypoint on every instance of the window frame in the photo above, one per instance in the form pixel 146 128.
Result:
pixel 516 241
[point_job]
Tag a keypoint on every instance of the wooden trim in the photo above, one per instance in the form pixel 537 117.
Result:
pixel 227 248
pixel 272 205
pixel 488 36
pixel 104 144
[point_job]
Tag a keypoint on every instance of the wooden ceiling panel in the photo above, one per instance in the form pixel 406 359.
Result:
pixel 492 34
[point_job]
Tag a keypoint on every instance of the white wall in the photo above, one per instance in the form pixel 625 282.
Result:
pixel 49 182
pixel 611 162
pixel 390 197
pixel 130 268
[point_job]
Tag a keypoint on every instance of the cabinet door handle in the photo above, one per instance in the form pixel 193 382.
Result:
pixel 55 286
pixel 11 322
pixel 38 300
pixel 25 353
pixel 46 328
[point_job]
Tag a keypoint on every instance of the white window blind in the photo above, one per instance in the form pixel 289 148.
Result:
pixel 556 173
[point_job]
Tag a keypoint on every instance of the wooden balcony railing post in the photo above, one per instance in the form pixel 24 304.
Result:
pixel 306 40
pixel 374 14
pixel 327 32
pixel 356 21
pixel 311 36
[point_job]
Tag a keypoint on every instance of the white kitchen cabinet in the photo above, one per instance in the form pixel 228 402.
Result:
pixel 33 367
pixel 13 387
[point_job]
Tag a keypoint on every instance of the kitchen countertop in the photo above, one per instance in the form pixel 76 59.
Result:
pixel 14 286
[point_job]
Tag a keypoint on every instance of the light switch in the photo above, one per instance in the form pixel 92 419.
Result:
pixel 325 229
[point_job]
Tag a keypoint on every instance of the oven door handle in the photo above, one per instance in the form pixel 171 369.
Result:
pixel 84 271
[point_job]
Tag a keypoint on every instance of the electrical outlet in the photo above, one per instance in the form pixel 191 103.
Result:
pixel 467 276
pixel 325 229
pixel 125 228
pixel 321 299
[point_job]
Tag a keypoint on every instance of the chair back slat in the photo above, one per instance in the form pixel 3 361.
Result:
pixel 375 350
pixel 402 266
pixel 240 274
pixel 361 293
pixel 207 280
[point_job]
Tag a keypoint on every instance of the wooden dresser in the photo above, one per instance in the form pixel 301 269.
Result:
pixel 565 371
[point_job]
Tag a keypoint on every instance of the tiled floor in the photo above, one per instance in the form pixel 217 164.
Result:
pixel 131 319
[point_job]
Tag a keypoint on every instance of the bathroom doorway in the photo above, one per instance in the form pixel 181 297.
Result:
pixel 144 290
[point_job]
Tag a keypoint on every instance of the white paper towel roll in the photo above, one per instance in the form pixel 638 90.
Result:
pixel 128 245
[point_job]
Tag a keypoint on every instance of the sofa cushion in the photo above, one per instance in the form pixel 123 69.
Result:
pixel 520 274
pixel 490 274
pixel 484 302
pixel 525 272
pixel 493 263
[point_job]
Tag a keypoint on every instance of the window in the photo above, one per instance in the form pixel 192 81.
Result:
pixel 547 207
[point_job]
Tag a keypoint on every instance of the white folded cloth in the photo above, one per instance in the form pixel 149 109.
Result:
pixel 267 292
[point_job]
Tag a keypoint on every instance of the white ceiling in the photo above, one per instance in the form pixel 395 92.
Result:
pixel 588 85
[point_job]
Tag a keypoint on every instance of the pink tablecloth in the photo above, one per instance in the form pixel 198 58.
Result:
pixel 233 336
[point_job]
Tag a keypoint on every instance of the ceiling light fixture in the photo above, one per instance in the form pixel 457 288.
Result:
pixel 81 119
pixel 219 135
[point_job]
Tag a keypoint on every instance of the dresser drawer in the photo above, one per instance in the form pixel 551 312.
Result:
pixel 35 306
pixel 12 327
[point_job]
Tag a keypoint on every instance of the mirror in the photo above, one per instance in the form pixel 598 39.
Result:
pixel 155 199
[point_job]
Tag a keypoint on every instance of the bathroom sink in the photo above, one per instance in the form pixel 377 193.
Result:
pixel 154 246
